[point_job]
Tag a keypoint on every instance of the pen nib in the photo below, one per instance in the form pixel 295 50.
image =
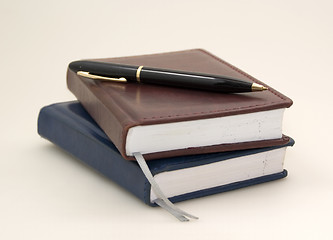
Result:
pixel 258 87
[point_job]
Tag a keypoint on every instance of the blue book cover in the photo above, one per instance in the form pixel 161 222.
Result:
pixel 70 127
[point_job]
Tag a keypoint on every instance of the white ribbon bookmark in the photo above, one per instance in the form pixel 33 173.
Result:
pixel 162 200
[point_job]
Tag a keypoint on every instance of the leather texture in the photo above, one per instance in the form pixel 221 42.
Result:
pixel 70 127
pixel 116 107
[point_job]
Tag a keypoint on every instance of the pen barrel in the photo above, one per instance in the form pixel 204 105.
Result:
pixel 194 81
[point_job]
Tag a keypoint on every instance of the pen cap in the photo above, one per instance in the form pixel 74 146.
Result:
pixel 105 69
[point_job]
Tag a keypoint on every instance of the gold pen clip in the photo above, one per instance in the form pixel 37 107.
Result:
pixel 96 77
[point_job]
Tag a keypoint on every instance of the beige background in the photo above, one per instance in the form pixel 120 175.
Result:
pixel 46 194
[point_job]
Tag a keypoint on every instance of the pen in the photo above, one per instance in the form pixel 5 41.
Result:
pixel 148 75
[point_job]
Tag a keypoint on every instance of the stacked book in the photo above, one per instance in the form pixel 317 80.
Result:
pixel 167 144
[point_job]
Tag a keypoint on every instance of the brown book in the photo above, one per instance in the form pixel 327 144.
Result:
pixel 160 121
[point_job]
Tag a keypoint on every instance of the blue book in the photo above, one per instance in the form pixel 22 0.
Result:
pixel 70 127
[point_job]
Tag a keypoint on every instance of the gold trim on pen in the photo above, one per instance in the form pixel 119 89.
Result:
pixel 138 71
pixel 257 87
pixel 96 77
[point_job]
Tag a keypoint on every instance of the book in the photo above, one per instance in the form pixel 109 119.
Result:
pixel 69 126
pixel 161 122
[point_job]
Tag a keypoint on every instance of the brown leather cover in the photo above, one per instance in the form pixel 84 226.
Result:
pixel 116 107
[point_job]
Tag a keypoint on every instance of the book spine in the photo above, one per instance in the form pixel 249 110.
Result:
pixel 61 130
pixel 112 122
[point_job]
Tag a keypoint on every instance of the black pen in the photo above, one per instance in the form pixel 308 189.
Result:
pixel 141 74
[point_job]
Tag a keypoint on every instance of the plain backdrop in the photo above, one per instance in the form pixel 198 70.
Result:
pixel 47 194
